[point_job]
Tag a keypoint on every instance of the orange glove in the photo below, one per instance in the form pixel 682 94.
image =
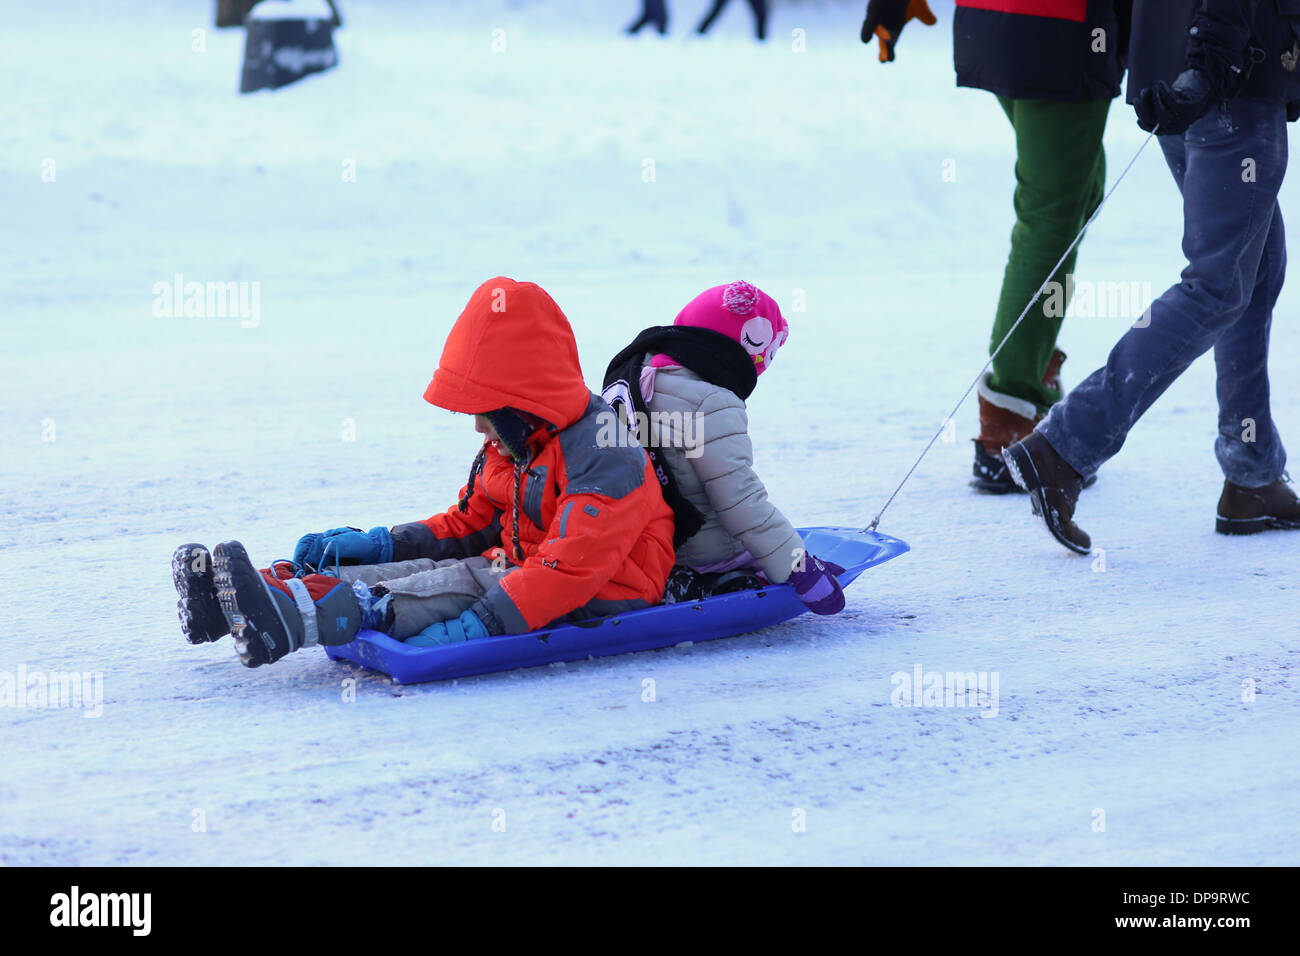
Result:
pixel 886 19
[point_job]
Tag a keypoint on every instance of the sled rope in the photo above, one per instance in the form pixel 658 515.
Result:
pixel 965 395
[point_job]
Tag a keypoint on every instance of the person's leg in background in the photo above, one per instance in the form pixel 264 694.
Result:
pixel 1224 297
pixel 1060 180
pixel 652 11
pixel 1249 449
pixel 760 18
pixel 1227 222
pixel 1248 446
pixel 714 12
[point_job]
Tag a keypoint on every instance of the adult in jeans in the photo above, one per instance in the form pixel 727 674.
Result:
pixel 1054 65
pixel 1222 124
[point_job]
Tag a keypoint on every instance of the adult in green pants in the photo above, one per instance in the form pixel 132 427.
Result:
pixel 1060 179
pixel 1055 66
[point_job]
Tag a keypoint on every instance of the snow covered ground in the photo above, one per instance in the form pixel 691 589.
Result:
pixel 1126 730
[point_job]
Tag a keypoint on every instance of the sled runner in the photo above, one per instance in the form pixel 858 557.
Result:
pixel 724 615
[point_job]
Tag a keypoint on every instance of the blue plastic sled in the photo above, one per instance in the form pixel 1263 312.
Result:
pixel 853 549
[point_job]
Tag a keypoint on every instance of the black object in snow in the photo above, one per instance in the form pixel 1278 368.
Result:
pixel 279 52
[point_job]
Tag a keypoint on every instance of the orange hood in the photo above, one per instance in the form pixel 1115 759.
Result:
pixel 511 347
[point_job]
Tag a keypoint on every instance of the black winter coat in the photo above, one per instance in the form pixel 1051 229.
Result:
pixel 1227 31
pixel 1069 50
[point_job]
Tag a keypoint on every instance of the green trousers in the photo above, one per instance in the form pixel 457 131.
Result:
pixel 1060 179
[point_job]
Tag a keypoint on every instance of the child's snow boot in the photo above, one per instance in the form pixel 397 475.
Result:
pixel 271 616
pixel 1250 510
pixel 200 613
pixel 1053 488
pixel 729 582
pixel 684 584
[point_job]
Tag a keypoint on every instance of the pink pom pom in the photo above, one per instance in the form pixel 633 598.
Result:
pixel 741 298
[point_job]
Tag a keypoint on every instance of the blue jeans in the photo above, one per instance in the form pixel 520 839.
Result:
pixel 1229 167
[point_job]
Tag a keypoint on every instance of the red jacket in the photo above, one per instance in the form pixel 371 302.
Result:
pixel 593 527
pixel 1060 9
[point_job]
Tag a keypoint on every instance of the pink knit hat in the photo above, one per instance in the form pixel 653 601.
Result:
pixel 739 311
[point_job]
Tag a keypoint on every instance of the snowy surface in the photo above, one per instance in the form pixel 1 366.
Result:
pixel 1121 690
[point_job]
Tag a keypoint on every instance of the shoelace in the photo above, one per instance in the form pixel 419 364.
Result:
pixel 324 560
pixel 298 570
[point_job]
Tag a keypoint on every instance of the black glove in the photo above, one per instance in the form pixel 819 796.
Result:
pixel 886 19
pixel 1175 107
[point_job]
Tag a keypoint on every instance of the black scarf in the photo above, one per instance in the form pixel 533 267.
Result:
pixel 715 358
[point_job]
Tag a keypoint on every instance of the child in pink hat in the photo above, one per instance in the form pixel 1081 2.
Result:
pixel 682 390
pixel 741 312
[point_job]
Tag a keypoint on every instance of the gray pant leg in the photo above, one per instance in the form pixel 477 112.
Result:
pixel 372 574
pixel 438 593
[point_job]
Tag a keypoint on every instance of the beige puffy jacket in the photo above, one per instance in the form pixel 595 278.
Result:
pixel 704 437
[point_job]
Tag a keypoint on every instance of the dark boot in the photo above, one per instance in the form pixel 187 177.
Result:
pixel 1053 488
pixel 271 616
pixel 684 584
pixel 729 582
pixel 999 427
pixel 1003 422
pixel 1251 510
pixel 201 617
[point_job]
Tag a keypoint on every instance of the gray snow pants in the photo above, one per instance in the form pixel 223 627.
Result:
pixel 426 591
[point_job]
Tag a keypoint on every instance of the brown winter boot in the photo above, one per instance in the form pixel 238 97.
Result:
pixel 1053 488
pixel 1005 420
pixel 1251 510
pixel 999 427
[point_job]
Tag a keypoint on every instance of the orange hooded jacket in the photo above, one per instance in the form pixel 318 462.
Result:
pixel 593 528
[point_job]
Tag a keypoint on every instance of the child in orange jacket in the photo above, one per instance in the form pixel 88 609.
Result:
pixel 554 523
